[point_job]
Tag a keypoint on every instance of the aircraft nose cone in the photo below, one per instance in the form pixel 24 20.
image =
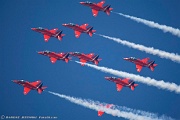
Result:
pixel 107 78
pixel 64 24
pixel 125 58
pixel 32 28
pixel 14 81
pixel 81 2
pixel 40 52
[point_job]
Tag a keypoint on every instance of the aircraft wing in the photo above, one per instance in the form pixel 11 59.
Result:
pixel 126 80
pixel 119 87
pixel 83 61
pixel 84 26
pixel 145 60
pixel 138 68
pixel 61 54
pixel 100 4
pixel 53 60
pixel 95 12
pixel 77 34
pixel 53 30
pixel 100 113
pixel 36 83
pixel 46 38
pixel 90 55
pixel 26 90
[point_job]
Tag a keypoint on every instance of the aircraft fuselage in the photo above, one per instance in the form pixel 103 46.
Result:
pixel 119 81
pixel 28 84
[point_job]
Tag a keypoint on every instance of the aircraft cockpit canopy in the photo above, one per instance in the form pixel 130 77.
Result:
pixel 72 24
pixel 77 52
pixel 88 2
pixel 40 28
pixel 133 58
pixel 46 51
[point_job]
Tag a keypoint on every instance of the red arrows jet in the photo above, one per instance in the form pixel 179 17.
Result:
pixel 98 7
pixel 86 57
pixel 56 56
pixel 100 113
pixel 122 83
pixel 49 33
pixel 28 86
pixel 80 29
pixel 142 63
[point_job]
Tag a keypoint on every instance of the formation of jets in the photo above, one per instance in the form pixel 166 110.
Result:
pixel 91 57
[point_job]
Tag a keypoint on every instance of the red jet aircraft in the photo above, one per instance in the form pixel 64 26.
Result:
pixel 122 83
pixel 142 63
pixel 80 29
pixel 86 57
pixel 100 113
pixel 56 56
pixel 98 7
pixel 49 33
pixel 28 86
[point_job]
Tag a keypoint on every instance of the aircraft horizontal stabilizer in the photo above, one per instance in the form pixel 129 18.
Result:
pixel 40 90
pixel 66 60
pixel 133 86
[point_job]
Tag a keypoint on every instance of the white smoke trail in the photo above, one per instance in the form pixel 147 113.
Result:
pixel 163 54
pixel 118 111
pixel 164 28
pixel 146 80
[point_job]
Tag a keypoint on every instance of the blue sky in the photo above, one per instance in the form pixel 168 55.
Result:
pixel 19 59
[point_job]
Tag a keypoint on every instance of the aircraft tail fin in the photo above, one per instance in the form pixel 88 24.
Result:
pixel 133 86
pixel 152 65
pixel 59 35
pixel 90 31
pixel 96 60
pixel 96 57
pixel 41 89
pixel 67 58
pixel 107 9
